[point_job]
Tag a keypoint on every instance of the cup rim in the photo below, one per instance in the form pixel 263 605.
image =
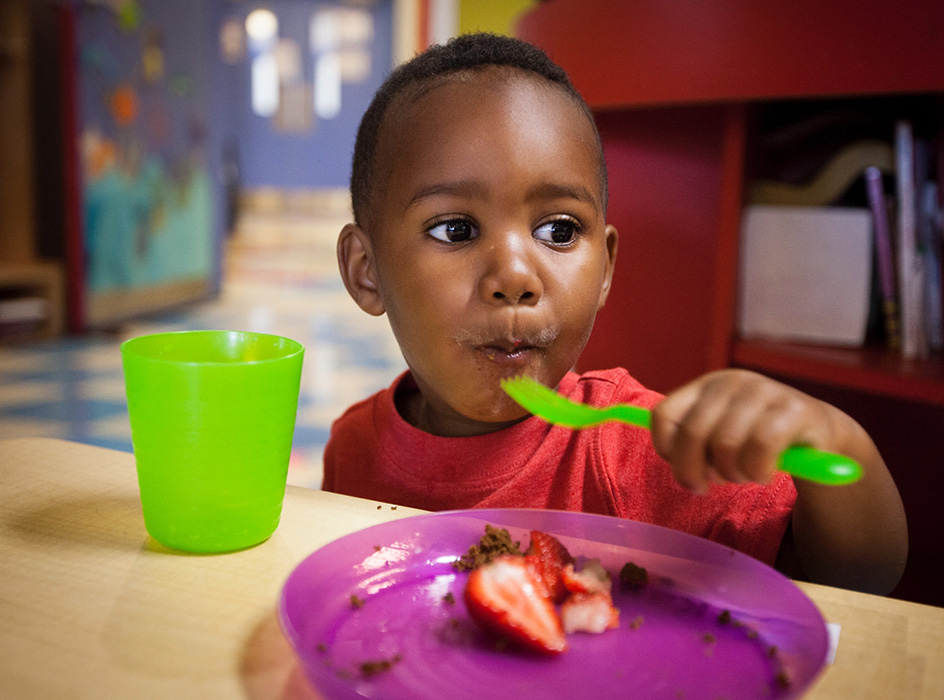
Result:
pixel 128 346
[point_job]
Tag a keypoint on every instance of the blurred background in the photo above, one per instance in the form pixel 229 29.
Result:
pixel 775 175
pixel 174 164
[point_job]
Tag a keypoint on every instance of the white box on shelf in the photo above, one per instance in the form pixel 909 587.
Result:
pixel 805 274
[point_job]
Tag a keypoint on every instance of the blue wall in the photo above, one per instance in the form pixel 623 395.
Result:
pixel 322 156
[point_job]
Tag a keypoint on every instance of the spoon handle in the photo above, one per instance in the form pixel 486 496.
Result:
pixel 819 466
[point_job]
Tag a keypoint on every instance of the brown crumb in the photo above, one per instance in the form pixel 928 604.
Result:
pixel 356 602
pixel 450 598
pixel 772 652
pixel 783 679
pixel 725 617
pixel 636 623
pixel 379 507
pixel 495 542
pixel 393 507
pixel 709 638
pixel 372 668
pixel 633 576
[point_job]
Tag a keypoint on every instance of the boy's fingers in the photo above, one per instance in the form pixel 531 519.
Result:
pixel 681 425
pixel 730 426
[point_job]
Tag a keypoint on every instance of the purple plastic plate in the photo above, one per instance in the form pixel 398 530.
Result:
pixel 369 616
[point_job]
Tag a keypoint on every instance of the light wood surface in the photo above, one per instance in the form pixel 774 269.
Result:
pixel 90 607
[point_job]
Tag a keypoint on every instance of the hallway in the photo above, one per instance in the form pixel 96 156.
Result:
pixel 280 276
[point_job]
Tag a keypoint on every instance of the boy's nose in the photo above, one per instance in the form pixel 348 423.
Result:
pixel 511 275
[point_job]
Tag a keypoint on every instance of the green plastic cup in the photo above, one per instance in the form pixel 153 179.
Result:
pixel 212 417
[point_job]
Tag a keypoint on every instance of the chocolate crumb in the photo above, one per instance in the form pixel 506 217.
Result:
pixel 356 602
pixel 372 668
pixel 450 598
pixel 379 507
pixel 633 576
pixel 636 623
pixel 783 680
pixel 495 542
pixel 725 617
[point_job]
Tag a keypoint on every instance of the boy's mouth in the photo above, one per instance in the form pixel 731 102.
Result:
pixel 507 352
pixel 513 348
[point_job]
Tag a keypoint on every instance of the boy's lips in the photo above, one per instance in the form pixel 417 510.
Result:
pixel 505 353
pixel 510 348
pixel 516 351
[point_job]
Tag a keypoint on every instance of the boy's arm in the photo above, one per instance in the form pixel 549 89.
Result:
pixel 852 536
pixel 731 426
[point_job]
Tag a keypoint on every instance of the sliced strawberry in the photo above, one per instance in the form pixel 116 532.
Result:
pixel 552 557
pixel 508 597
pixel 589 612
pixel 592 578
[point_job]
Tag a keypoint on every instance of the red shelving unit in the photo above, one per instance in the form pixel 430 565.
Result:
pixel 674 87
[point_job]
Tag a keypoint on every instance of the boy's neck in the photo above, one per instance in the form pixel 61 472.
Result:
pixel 418 412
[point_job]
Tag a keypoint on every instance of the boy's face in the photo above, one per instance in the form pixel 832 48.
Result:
pixel 487 245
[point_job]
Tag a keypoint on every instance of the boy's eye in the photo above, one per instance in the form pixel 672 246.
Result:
pixel 454 231
pixel 559 232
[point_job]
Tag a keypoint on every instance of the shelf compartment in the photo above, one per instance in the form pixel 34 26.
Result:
pixel 871 369
pixel 35 281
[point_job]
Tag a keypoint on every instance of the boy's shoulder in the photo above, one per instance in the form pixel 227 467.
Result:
pixel 608 386
pixel 366 407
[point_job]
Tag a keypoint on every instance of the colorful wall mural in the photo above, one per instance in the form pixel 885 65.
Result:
pixel 171 128
pixel 148 200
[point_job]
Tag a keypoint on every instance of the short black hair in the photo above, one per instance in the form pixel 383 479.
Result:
pixel 466 52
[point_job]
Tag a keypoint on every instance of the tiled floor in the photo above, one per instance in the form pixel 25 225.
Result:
pixel 281 277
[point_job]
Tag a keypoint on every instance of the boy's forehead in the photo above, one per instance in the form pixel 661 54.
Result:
pixel 402 116
pixel 490 92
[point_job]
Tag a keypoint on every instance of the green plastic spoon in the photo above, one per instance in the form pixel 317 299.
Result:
pixel 800 461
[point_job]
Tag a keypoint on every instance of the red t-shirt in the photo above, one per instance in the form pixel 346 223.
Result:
pixel 610 469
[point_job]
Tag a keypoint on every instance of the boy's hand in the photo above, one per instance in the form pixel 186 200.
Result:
pixel 732 425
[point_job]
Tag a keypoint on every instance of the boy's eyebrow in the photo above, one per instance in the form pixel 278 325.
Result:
pixel 465 188
pixel 549 190
pixel 553 190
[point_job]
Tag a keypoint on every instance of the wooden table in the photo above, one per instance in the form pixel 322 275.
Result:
pixel 91 607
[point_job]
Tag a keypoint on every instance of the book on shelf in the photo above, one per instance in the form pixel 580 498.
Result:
pixel 927 243
pixel 910 264
pixel 884 256
pixel 918 242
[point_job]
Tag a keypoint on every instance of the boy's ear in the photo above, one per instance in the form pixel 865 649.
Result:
pixel 356 262
pixel 611 241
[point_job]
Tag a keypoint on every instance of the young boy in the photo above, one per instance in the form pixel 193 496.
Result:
pixel 479 194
